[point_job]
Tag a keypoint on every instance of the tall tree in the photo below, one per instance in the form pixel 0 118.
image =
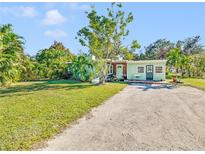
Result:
pixel 105 34
pixel 190 45
pixel 11 51
pixel 158 49
pixel 54 61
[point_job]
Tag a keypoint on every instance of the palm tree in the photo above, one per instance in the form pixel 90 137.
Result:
pixel 185 63
pixel 82 68
pixel 174 59
pixel 179 61
pixel 11 50
pixel 198 65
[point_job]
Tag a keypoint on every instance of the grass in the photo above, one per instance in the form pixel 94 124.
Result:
pixel 31 112
pixel 197 83
pixel 193 82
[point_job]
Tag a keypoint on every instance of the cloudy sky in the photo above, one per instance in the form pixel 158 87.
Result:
pixel 42 23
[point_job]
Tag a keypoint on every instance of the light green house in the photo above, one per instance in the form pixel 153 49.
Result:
pixel 152 70
pixel 139 70
pixel 146 70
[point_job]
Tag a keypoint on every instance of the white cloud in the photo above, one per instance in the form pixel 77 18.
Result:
pixel 55 33
pixel 78 6
pixel 28 11
pixel 53 17
pixel 21 11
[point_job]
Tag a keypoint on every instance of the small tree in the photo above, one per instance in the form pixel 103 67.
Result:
pixel 82 68
pixel 104 35
pixel 174 58
pixel 179 61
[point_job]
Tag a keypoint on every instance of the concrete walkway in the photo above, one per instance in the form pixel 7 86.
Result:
pixel 140 118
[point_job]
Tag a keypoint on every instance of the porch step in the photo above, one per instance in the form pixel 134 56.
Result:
pixel 146 82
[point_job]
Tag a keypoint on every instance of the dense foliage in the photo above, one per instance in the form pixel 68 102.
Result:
pixel 15 65
pixel 185 57
pixel 54 61
pixel 82 68
pixel 11 53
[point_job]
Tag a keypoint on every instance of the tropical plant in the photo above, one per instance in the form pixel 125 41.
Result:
pixel 180 61
pixel 174 59
pixel 185 64
pixel 54 61
pixel 11 51
pixel 197 68
pixel 82 68
pixel 29 69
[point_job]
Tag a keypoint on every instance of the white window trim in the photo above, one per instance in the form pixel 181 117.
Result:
pixel 156 69
pixel 141 72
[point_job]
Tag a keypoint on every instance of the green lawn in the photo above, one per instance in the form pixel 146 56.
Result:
pixel 33 111
pixel 197 83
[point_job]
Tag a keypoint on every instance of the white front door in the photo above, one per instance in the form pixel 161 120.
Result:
pixel 119 71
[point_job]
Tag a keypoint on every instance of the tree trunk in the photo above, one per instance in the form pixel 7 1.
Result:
pixel 189 73
pixel 181 74
pixel 177 71
pixel 102 80
pixel 103 74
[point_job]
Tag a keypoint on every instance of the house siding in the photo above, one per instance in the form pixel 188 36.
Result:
pixel 132 70
pixel 160 76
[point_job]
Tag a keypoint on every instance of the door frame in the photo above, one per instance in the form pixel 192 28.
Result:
pixel 150 72
pixel 117 70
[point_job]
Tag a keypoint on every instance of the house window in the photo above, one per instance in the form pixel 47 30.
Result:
pixel 158 69
pixel 140 69
pixel 110 69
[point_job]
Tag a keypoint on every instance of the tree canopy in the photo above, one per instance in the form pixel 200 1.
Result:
pixel 54 61
pixel 105 34
pixel 15 65
pixel 160 48
pixel 11 52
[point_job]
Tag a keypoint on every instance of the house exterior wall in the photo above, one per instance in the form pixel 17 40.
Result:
pixel 132 70
pixel 160 76
pixel 114 64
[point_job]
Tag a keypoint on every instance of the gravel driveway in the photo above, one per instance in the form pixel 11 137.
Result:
pixel 140 118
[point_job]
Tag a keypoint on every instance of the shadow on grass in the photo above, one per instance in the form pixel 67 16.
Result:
pixel 63 82
pixel 18 90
